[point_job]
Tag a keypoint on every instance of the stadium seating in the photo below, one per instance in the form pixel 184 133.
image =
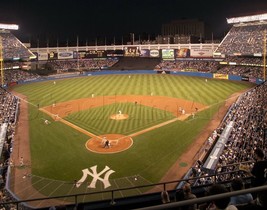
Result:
pixel 247 116
pixel 13 49
pixel 245 39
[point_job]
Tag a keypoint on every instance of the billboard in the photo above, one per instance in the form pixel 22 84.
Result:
pixel 96 54
pixel 154 53
pixel 88 54
pixel 52 55
pixel 81 54
pixel 167 54
pixel 131 51
pixel 201 53
pixel 220 76
pixel 115 53
pixel 149 53
pixel 182 53
pixel 65 55
pixel 42 56
pixel 145 53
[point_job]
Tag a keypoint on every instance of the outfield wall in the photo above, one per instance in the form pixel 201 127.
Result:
pixel 105 72
pixel 194 74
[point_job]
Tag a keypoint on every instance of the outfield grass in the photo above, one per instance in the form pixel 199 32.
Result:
pixel 59 153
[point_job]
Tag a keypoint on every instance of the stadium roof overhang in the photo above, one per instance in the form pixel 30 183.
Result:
pixel 9 26
pixel 245 19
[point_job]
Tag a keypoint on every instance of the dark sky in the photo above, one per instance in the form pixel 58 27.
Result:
pixel 50 20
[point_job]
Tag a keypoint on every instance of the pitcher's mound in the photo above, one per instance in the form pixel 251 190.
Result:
pixel 118 143
pixel 119 116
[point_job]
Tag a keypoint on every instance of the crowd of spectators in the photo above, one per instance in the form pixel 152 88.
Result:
pixel 243 66
pixel 245 150
pixel 9 109
pixel 81 64
pixel 186 65
pixel 249 114
pixel 245 143
pixel 246 60
pixel 245 71
pixel 244 39
pixel 12 47
pixel 16 76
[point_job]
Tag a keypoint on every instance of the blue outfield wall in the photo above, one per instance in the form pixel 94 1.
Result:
pixel 105 72
pixel 120 72
pixel 193 74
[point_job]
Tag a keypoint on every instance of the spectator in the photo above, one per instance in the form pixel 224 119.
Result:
pixel 184 194
pixel 260 203
pixel 189 195
pixel 220 204
pixel 165 197
pixel 259 168
pixel 238 184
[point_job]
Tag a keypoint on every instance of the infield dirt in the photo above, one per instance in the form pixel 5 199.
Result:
pixel 22 147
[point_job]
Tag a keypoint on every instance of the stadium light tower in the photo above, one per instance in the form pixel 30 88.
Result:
pixel 4 27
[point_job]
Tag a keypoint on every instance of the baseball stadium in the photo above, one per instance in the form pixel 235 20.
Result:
pixel 113 127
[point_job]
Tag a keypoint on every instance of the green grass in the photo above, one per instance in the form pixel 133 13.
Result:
pixel 58 152
pixel 97 120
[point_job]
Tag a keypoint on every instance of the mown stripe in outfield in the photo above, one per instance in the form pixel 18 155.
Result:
pixel 153 152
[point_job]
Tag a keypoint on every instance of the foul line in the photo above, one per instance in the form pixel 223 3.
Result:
pixel 153 127
pixel 69 124
pixel 95 136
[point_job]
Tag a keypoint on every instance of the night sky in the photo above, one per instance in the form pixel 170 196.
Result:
pixel 61 21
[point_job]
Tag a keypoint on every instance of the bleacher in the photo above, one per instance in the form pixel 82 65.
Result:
pixel 13 49
pixel 245 39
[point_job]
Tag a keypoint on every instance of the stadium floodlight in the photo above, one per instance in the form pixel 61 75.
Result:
pixel 245 19
pixel 9 26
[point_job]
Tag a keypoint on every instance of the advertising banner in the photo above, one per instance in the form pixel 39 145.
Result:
pixel 220 76
pixel 81 54
pixel 167 54
pixel 201 53
pixel 145 53
pixel 52 55
pixel 42 56
pixel 115 53
pixel 131 52
pixel 65 55
pixel 243 78
pixel 182 53
pixel 96 54
pixel 154 53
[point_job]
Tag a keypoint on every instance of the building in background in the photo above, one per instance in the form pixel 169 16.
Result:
pixel 182 32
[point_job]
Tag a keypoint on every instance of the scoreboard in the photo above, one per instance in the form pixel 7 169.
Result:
pixel 90 54
pixel 95 54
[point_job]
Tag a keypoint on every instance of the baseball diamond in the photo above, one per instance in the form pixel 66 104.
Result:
pixel 122 143
pixel 144 121
pixel 151 143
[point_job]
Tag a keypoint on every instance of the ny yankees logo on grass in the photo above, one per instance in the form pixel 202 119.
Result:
pixel 96 176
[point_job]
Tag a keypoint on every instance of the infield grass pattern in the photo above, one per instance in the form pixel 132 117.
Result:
pixel 58 152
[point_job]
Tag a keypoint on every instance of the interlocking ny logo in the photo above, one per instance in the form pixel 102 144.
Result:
pixel 96 176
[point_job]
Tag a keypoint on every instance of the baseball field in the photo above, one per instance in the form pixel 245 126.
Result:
pixel 149 120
